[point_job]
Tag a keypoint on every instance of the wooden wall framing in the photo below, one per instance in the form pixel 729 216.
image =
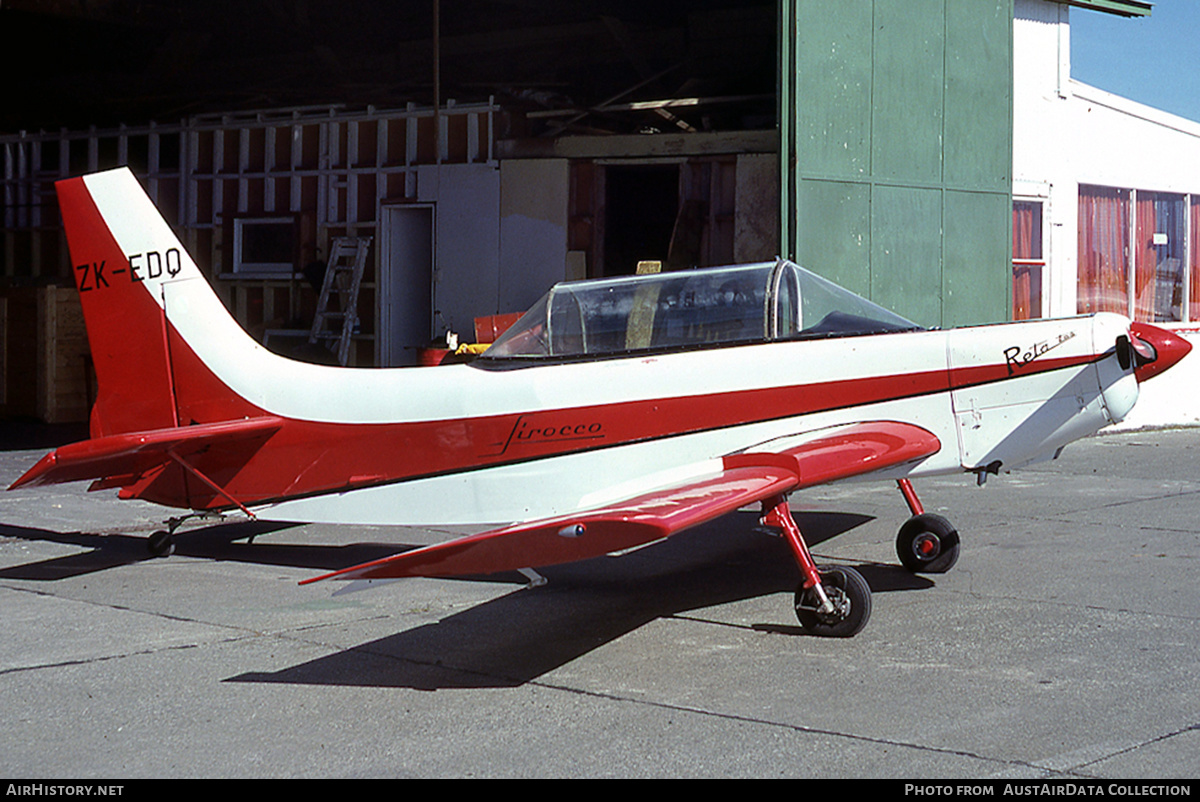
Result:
pixel 329 168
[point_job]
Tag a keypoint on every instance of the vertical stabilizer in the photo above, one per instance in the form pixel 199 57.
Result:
pixel 125 259
pixel 126 326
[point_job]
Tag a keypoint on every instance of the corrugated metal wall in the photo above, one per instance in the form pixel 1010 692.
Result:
pixel 896 141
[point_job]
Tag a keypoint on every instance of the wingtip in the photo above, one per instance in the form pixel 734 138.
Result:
pixel 33 476
pixel 313 579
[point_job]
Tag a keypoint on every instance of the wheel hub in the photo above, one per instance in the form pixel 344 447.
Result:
pixel 840 602
pixel 926 547
pixel 837 597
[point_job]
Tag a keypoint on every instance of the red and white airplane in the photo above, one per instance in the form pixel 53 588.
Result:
pixel 614 413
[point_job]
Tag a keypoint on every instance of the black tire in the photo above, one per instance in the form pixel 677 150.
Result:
pixel 161 544
pixel 850 594
pixel 927 544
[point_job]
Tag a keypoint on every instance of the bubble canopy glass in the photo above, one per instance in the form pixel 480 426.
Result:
pixel 687 310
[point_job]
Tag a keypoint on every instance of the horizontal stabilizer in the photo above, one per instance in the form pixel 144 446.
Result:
pixel 135 453
pixel 743 479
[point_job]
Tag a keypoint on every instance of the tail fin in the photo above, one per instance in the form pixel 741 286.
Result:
pixel 125 259
pixel 164 427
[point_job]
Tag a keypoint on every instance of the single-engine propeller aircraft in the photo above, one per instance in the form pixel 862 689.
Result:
pixel 614 413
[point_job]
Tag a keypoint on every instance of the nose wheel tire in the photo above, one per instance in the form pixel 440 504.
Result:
pixel 850 596
pixel 927 544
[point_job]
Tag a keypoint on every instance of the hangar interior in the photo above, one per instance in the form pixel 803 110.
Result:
pixel 490 149
pixel 428 127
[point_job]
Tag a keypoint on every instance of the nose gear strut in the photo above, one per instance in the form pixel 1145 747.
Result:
pixel 927 543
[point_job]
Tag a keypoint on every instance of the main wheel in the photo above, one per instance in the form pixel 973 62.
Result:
pixel 851 598
pixel 161 543
pixel 927 544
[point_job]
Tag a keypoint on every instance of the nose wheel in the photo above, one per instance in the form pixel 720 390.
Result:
pixel 927 544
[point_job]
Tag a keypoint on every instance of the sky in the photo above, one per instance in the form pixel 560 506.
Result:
pixel 1154 60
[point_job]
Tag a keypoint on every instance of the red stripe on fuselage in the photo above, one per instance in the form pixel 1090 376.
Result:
pixel 310 458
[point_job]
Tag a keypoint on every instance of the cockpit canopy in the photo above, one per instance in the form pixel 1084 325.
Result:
pixel 690 309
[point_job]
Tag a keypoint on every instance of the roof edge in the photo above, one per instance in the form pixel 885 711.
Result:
pixel 1123 8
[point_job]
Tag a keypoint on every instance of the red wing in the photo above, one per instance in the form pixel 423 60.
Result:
pixel 743 479
pixel 130 455
pixel 859 449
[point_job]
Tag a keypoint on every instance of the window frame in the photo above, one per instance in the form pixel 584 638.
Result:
pixel 1041 263
pixel 243 268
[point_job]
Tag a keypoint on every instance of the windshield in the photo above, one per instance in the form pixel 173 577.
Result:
pixel 829 310
pixel 690 309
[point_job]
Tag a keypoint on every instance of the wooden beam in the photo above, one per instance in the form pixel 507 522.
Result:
pixel 640 145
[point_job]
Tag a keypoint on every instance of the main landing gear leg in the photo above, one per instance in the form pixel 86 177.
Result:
pixel 833 602
pixel 927 543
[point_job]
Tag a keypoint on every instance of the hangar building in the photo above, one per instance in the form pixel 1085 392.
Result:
pixel 924 153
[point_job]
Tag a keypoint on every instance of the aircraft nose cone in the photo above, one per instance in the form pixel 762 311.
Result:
pixel 1166 349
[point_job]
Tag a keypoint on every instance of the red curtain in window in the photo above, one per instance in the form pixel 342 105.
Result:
pixel 1103 268
pixel 1027 247
pixel 1023 247
pixel 1145 258
pixel 1159 271
pixel 1194 282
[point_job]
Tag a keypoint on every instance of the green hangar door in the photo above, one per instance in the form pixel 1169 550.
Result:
pixel 896 151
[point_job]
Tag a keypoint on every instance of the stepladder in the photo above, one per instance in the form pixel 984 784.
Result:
pixel 336 318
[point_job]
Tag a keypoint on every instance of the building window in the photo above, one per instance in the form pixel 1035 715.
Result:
pixel 1161 239
pixel 1029 261
pixel 1194 264
pixel 264 246
pixel 1137 254
pixel 1103 250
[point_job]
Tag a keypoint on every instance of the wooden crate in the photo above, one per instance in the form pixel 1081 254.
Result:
pixel 65 379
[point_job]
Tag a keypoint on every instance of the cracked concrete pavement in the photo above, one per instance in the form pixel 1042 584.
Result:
pixel 1065 643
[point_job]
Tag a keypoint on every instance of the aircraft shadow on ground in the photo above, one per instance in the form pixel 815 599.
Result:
pixel 518 637
pixel 226 542
pixel 107 551
pixel 521 635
